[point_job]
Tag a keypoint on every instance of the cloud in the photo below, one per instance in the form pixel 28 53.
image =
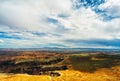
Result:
pixel 29 15
pixel 44 23
pixel 1 41
pixel 111 7
pixel 96 42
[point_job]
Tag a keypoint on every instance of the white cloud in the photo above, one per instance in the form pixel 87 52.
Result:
pixel 28 16
pixel 112 7
pixel 1 41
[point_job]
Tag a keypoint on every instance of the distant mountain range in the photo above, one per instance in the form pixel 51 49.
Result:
pixel 58 49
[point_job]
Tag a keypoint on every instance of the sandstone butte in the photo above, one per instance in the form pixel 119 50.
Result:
pixel 112 74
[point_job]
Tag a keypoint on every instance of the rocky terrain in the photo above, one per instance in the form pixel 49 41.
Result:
pixel 52 66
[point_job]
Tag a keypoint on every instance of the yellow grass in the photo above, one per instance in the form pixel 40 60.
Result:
pixel 112 74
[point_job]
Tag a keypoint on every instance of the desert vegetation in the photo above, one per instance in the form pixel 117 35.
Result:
pixel 91 63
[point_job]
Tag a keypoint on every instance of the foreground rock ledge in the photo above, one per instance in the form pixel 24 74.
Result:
pixel 112 74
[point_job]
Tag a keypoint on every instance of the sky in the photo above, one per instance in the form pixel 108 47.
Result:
pixel 60 23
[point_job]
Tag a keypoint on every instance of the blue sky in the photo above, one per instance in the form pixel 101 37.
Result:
pixel 60 23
